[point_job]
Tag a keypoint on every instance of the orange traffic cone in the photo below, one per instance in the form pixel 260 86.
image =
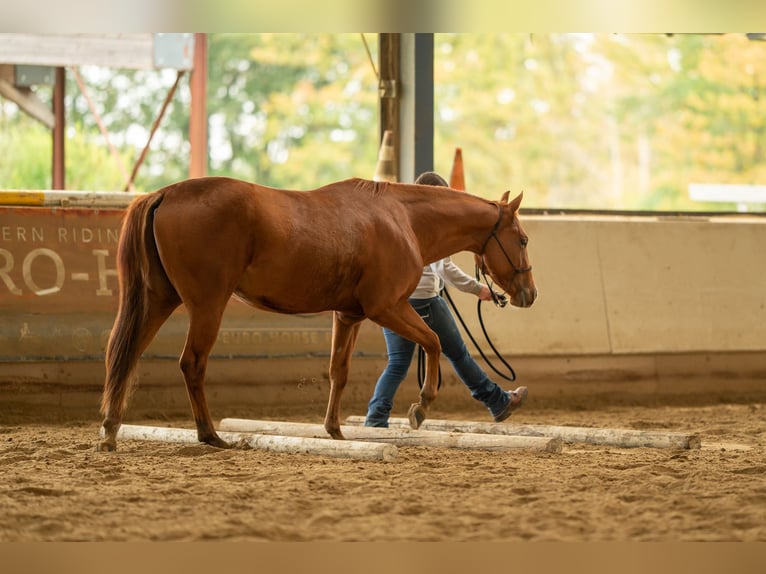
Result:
pixel 385 170
pixel 456 178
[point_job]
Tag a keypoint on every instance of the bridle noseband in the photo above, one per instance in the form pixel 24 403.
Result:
pixel 499 300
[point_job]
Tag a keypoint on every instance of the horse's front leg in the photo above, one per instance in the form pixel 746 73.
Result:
pixel 405 321
pixel 345 330
pixel 418 412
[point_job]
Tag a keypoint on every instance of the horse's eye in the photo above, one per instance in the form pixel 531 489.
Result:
pixel 524 241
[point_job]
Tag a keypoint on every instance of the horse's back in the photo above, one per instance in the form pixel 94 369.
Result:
pixel 225 193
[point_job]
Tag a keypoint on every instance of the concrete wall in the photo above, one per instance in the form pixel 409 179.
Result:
pixel 614 285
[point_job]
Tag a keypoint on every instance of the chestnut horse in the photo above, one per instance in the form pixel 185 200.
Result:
pixel 355 247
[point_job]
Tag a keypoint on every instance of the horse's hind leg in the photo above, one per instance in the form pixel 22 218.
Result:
pixel 345 330
pixel 203 330
pixel 119 380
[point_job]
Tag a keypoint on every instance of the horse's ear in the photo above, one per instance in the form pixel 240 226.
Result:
pixel 504 199
pixel 516 202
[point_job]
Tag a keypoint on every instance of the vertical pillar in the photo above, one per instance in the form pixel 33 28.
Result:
pixel 59 130
pixel 416 122
pixel 389 91
pixel 424 103
pixel 198 112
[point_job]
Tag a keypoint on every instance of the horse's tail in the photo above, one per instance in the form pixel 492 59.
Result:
pixel 133 271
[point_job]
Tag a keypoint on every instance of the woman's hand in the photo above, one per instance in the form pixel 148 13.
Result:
pixel 485 294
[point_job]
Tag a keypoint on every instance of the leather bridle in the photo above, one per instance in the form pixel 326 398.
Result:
pixel 498 300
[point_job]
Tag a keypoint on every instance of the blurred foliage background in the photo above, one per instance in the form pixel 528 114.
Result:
pixel 578 121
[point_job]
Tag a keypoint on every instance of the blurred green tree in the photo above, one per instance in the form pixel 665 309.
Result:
pixel 593 121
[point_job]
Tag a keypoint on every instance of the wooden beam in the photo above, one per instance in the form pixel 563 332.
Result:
pixel 625 438
pixel 8 73
pixel 198 111
pixel 356 450
pixel 112 50
pixel 134 51
pixel 28 102
pixel 59 131
pixel 389 87
pixel 399 436
pixel 155 125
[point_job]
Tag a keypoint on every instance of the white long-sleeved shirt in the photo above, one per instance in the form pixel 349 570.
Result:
pixel 437 273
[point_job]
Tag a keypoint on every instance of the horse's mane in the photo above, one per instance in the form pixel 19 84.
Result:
pixel 374 188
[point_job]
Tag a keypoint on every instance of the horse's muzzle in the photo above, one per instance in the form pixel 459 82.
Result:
pixel 524 297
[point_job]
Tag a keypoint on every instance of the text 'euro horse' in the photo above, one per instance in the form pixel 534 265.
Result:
pixel 354 247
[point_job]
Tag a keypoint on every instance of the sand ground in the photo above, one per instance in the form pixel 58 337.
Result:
pixel 56 487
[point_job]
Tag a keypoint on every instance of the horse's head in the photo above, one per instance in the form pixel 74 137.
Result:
pixel 504 255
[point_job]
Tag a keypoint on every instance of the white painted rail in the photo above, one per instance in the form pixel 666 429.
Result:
pixel 66 198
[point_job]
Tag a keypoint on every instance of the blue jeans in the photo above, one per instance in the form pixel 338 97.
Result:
pixel 438 317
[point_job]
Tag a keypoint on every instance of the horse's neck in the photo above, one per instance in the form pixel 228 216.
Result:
pixel 451 224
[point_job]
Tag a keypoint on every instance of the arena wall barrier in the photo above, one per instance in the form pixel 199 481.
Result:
pixel 636 298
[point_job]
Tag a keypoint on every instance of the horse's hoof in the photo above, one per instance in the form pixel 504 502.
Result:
pixel 416 415
pixel 336 434
pixel 216 441
pixel 106 446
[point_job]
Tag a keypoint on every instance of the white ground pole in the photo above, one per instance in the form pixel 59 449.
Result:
pixel 357 450
pixel 625 438
pixel 399 436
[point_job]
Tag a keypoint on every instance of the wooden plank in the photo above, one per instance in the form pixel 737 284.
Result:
pixel 357 450
pixel 135 51
pixel 626 438
pixel 401 437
